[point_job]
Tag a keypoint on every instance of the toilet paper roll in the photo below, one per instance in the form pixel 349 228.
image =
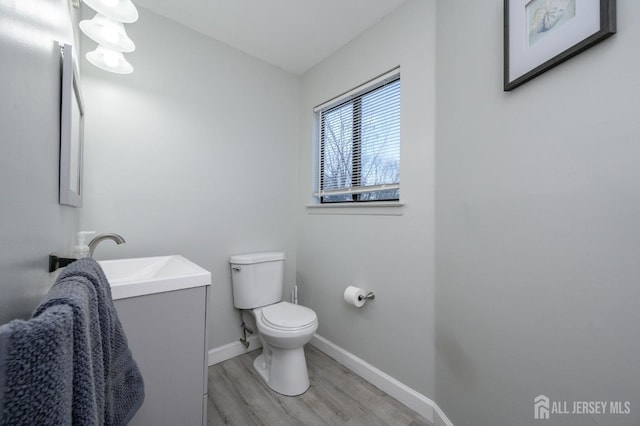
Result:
pixel 355 296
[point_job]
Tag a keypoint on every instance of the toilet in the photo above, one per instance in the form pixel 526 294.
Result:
pixel 284 328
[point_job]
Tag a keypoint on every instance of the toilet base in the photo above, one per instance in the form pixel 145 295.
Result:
pixel 261 368
pixel 287 373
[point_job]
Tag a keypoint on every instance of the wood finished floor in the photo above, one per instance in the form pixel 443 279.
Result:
pixel 239 397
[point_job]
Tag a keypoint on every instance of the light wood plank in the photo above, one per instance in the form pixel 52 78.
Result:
pixel 337 396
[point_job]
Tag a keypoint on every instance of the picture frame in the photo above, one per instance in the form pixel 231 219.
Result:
pixel 540 34
pixel 71 132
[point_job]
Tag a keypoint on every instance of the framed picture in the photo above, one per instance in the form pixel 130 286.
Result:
pixel 540 34
pixel 71 133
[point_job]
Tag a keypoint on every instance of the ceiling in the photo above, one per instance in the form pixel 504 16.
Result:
pixel 292 34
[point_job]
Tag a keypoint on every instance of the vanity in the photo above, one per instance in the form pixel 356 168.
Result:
pixel 162 303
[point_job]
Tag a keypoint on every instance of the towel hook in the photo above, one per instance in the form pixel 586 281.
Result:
pixel 56 262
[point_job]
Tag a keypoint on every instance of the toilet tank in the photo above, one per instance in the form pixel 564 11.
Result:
pixel 257 279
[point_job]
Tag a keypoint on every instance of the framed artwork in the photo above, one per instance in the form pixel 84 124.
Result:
pixel 540 34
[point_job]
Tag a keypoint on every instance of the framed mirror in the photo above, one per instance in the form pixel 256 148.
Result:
pixel 71 133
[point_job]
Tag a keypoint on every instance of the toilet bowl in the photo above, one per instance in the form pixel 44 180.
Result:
pixel 284 329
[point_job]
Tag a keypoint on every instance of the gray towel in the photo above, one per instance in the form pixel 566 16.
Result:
pixel 88 368
pixel 38 351
pixel 107 370
pixel 105 382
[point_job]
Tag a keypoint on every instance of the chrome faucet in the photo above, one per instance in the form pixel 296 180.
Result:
pixel 99 238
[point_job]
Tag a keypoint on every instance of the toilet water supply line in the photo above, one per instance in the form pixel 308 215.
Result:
pixel 246 329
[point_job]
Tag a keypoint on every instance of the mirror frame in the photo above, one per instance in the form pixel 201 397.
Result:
pixel 71 155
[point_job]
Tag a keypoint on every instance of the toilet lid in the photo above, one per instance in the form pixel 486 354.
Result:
pixel 287 316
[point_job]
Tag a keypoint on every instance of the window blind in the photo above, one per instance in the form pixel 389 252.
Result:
pixel 360 144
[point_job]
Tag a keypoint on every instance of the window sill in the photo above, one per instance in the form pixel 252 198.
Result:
pixel 382 208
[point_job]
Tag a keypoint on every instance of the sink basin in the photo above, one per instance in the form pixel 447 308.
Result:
pixel 148 275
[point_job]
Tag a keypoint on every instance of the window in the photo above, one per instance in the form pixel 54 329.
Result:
pixel 359 143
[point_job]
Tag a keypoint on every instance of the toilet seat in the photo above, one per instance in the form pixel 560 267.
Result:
pixel 286 316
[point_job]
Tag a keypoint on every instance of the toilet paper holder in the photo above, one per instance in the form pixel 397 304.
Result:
pixel 369 296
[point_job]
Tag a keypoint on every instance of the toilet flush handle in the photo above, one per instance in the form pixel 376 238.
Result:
pixel 235 267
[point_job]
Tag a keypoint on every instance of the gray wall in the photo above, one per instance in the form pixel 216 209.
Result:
pixel 192 154
pixel 538 231
pixel 32 223
pixel 390 255
pixel 536 204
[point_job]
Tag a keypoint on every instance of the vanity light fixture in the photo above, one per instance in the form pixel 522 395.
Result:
pixel 107 29
pixel 108 33
pixel 109 60
pixel 118 10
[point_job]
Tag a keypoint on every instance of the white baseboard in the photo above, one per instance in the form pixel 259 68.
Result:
pixel 232 350
pixel 444 420
pixel 403 393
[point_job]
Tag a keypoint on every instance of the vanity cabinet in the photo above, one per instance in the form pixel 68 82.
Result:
pixel 167 333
